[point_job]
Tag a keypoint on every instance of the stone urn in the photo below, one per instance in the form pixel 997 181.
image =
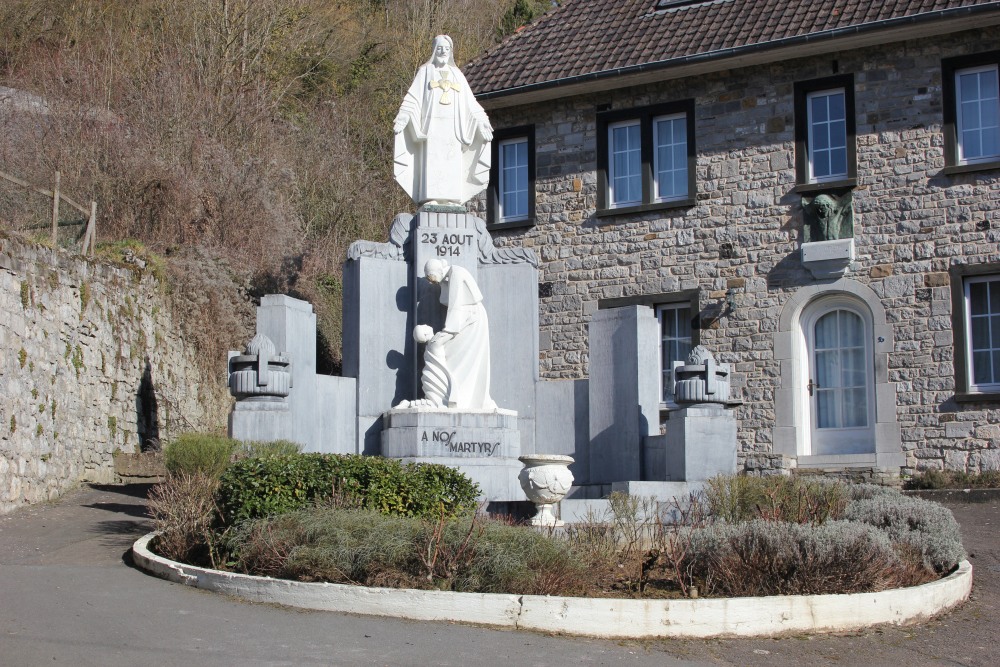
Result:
pixel 545 479
pixel 260 373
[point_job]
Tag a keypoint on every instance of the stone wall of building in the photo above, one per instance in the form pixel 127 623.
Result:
pixel 911 223
pixel 93 362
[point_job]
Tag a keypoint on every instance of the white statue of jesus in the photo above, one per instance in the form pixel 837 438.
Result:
pixel 442 150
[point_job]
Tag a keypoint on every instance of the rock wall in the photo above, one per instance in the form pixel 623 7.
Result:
pixel 912 223
pixel 93 361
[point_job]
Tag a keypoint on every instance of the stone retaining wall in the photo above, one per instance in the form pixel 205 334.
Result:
pixel 93 361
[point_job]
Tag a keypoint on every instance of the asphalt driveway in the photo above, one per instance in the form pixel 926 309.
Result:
pixel 69 595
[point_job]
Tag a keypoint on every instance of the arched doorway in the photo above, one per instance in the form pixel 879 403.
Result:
pixel 836 335
pixel 839 396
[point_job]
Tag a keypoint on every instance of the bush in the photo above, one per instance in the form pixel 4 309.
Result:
pixel 253 448
pixel 184 512
pixel 742 498
pixel 952 479
pixel 780 558
pixel 199 453
pixel 929 528
pixel 514 559
pixel 258 487
pixel 366 547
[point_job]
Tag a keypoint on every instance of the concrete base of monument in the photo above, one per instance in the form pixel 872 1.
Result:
pixel 496 477
pixel 483 444
pixel 588 617
pixel 589 502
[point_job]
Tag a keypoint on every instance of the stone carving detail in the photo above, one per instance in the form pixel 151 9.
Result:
pixel 434 379
pixel 397 248
pixel 260 373
pixel 442 147
pixel 490 254
pixel 545 479
pixel 401 232
pixel 700 379
pixel 828 217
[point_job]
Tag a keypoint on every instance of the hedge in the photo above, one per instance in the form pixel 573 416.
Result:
pixel 258 487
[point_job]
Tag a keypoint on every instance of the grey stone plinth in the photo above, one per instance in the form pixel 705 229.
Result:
pixel 457 434
pixel 378 345
pixel 510 295
pixel 699 444
pixel 261 420
pixel 319 412
pixel 482 444
pixel 624 390
pixel 496 477
pixel 828 259
pixel 561 425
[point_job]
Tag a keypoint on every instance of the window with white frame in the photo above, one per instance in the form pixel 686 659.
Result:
pixel 982 329
pixel 646 158
pixel 510 198
pixel 675 340
pixel 977 114
pixel 827 135
pixel 825 128
pixel 670 157
pixel 625 163
pixel 513 186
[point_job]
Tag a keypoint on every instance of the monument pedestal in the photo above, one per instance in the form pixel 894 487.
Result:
pixel 700 443
pixel 483 444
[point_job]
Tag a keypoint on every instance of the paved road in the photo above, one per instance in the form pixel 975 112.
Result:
pixel 68 595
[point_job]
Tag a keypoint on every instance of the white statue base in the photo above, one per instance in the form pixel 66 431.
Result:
pixel 483 444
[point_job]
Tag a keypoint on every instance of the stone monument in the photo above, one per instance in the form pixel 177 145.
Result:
pixel 442 283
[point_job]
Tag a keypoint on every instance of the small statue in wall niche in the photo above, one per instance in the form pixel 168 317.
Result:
pixel 828 217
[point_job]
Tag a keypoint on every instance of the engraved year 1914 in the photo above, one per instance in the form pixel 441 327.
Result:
pixel 447 244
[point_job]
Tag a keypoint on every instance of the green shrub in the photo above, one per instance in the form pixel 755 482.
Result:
pixel 258 487
pixel 254 448
pixel 759 557
pixel 952 479
pixel 927 527
pixel 867 491
pixel 204 453
pixel 743 498
pixel 514 559
pixel 366 547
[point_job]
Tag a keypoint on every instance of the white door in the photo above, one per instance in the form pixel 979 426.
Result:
pixel 841 384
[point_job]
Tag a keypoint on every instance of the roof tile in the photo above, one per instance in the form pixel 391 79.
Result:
pixel 587 37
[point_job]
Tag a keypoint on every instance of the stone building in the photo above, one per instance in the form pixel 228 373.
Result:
pixel 808 188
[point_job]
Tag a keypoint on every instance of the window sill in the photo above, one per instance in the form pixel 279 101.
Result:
pixel 826 185
pixel 977 397
pixel 514 224
pixel 970 168
pixel 643 208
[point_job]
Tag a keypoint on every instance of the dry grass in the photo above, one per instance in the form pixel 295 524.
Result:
pixel 247 141
pixel 184 512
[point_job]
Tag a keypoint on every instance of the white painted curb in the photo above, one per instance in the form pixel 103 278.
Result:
pixel 590 617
